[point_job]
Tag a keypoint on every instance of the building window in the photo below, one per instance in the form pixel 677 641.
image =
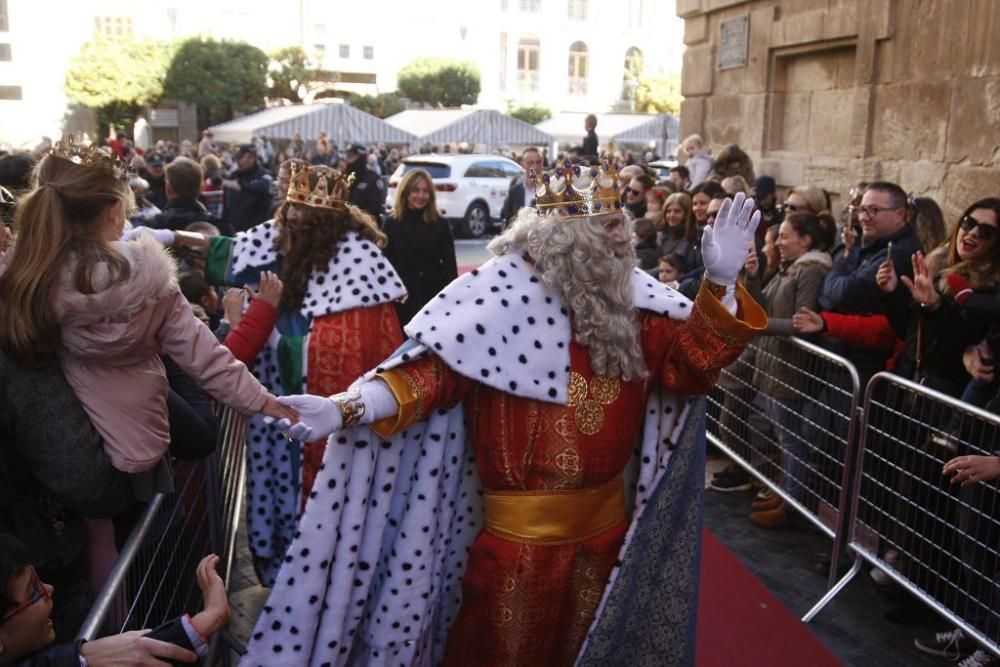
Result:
pixel 5 53
pixel 4 23
pixel 578 69
pixel 503 61
pixel 503 5
pixel 633 70
pixel 531 6
pixel 577 10
pixel 369 53
pixel 345 50
pixel 528 56
pixel 113 26
pixel 10 92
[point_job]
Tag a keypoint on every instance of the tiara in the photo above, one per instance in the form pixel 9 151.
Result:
pixel 104 160
pixel 574 191
pixel 332 187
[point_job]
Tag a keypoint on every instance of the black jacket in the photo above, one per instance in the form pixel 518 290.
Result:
pixel 424 256
pixel 368 190
pixel 180 213
pixel 590 143
pixel 512 203
pixel 850 288
pixel 250 205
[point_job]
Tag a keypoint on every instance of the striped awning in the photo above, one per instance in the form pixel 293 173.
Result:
pixel 473 126
pixel 342 123
pixel 567 127
pixel 663 127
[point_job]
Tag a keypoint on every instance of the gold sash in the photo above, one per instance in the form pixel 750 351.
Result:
pixel 555 517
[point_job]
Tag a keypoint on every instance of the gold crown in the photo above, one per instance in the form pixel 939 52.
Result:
pixel 332 190
pixel 93 157
pixel 577 191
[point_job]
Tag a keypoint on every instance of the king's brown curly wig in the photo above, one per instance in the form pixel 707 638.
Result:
pixel 312 241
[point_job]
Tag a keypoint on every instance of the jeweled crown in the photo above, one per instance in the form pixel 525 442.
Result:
pixel 93 157
pixel 577 191
pixel 332 190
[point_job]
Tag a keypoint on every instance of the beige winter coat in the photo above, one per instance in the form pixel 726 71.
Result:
pixel 112 341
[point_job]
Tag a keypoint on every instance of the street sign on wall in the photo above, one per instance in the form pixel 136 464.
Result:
pixel 733 35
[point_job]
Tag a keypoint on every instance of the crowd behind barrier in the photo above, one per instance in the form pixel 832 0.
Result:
pixel 789 412
pixel 152 580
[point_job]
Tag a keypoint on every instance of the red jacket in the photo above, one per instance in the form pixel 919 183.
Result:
pixel 247 338
pixel 871 331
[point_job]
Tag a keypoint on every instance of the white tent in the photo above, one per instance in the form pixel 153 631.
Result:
pixel 474 126
pixel 621 128
pixel 342 123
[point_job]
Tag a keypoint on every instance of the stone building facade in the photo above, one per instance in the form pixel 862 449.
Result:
pixel 831 92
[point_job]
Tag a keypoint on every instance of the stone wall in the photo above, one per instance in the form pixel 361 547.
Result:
pixel 837 91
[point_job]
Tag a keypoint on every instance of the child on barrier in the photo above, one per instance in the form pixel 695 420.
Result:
pixel 107 309
pixel 27 632
pixel 250 330
pixel 803 244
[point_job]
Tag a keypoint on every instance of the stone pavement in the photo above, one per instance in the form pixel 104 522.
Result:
pixel 852 626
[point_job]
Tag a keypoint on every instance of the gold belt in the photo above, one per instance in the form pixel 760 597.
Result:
pixel 555 517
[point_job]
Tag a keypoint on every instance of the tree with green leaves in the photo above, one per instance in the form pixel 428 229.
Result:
pixel 440 82
pixel 659 94
pixel 533 114
pixel 382 106
pixel 290 67
pixel 220 77
pixel 118 77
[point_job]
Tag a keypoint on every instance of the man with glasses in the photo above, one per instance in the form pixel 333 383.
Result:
pixel 522 192
pixel 635 195
pixel 850 287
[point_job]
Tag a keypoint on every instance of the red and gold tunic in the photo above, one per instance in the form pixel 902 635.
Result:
pixel 342 346
pixel 528 598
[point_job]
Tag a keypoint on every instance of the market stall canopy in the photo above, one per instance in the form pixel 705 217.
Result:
pixel 474 126
pixel 621 128
pixel 342 123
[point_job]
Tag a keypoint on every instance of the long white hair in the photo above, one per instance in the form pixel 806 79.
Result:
pixel 594 283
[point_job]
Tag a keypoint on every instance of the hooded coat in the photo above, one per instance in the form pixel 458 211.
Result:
pixel 112 340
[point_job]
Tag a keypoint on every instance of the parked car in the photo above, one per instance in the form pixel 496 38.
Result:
pixel 470 189
pixel 662 168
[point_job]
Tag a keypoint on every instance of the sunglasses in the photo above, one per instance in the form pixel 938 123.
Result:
pixel 38 592
pixel 793 208
pixel 630 190
pixel 986 232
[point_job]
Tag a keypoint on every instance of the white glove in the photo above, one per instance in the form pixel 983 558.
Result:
pixel 317 415
pixel 163 236
pixel 320 417
pixel 724 247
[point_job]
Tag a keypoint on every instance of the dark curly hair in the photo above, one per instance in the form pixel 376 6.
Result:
pixel 312 241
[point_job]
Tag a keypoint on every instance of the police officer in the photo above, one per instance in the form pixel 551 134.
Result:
pixel 368 190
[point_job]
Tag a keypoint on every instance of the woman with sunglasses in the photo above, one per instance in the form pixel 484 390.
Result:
pixel 936 331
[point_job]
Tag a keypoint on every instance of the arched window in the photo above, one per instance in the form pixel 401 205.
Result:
pixel 578 69
pixel 528 55
pixel 633 70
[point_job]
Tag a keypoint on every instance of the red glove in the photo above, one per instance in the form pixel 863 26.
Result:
pixel 959 288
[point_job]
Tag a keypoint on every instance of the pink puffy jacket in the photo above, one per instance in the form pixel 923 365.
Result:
pixel 112 341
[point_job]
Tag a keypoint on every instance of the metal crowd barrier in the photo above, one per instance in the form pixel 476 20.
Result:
pixel 786 412
pixel 153 580
pixel 937 541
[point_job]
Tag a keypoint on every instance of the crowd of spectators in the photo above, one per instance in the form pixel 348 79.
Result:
pixel 888 284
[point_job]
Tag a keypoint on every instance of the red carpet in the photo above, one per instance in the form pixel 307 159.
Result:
pixel 741 623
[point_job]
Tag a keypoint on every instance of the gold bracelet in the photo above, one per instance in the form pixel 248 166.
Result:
pixel 352 408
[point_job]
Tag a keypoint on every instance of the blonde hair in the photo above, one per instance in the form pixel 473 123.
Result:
pixel 816 198
pixel 54 224
pixel 734 184
pixel 401 206
pixel 684 201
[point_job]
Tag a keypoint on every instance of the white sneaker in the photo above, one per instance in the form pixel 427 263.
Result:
pixel 980 658
pixel 952 645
